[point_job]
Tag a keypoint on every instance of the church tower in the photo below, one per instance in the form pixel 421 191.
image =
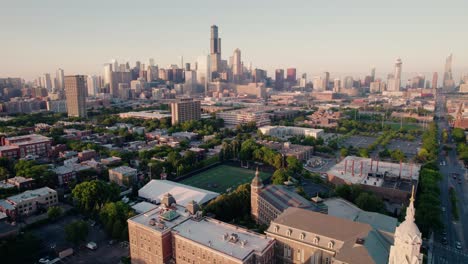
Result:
pixel 255 189
pixel 407 239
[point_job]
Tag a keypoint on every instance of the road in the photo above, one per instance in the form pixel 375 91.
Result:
pixel 454 230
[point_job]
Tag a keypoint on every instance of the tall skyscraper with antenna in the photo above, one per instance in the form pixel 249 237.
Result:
pixel 215 50
pixel 448 77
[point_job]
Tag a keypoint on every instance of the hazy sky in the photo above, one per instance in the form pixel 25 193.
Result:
pixel 339 36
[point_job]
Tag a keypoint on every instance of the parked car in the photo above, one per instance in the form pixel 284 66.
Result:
pixel 91 245
pixel 458 245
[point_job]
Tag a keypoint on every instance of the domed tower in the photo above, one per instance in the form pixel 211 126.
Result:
pixel 255 189
pixel 407 239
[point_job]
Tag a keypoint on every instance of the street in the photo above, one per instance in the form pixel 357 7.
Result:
pixel 454 230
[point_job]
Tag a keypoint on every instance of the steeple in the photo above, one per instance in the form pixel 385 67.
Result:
pixel 257 181
pixel 407 239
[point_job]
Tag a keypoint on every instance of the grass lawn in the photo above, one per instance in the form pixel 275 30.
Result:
pixel 222 177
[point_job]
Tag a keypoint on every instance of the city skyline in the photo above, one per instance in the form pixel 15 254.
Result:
pixel 81 44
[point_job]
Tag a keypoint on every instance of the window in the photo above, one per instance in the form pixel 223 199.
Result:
pixel 316 240
pixel 298 257
pixel 302 236
pixel 276 228
pixel 289 232
pixel 331 244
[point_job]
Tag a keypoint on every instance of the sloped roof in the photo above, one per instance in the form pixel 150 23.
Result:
pixel 183 194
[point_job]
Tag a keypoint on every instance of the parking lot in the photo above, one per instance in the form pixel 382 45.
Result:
pixel 53 240
pixel 409 148
pixel 358 141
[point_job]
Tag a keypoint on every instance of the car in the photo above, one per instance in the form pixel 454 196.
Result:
pixel 44 260
pixel 444 240
pixel 443 209
pixel 91 245
pixel 458 245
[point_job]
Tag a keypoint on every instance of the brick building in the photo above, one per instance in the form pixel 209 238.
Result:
pixel 22 146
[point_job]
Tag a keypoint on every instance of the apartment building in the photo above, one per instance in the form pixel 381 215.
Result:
pixel 22 146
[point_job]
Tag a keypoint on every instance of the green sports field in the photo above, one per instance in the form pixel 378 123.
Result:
pixel 222 177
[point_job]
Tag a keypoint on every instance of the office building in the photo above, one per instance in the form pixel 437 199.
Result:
pixel 435 79
pixel 107 75
pixel 190 85
pixel 215 50
pixel 279 79
pixel 448 77
pixel 185 109
pixel 47 82
pixel 291 76
pixel 372 74
pixel 60 80
pixel 118 77
pixel 233 118
pixel 288 131
pixel 28 202
pixel 396 83
pixel 237 66
pixel 75 90
pixel 203 72
pixel 93 85
pixel 259 75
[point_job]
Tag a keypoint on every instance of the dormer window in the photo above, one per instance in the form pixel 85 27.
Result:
pixel 331 244
pixel 302 236
pixel 276 229
pixel 316 240
pixel 289 232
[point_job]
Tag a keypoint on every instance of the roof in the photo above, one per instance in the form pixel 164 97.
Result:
pixel 142 207
pixel 343 209
pixel 154 218
pixel 30 194
pixel 124 170
pixel 183 194
pixel 281 198
pixel 217 235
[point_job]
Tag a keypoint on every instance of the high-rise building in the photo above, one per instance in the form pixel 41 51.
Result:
pixel 117 78
pixel 373 74
pixel 185 109
pixel 435 79
pixel 291 75
pixel 397 75
pixel 215 50
pixel 59 78
pixel 203 71
pixel 93 85
pixel 237 66
pixel 190 85
pixel 259 75
pixel 75 89
pixel 325 80
pixel 47 82
pixel 107 75
pixel 337 85
pixel 279 79
pixel 448 77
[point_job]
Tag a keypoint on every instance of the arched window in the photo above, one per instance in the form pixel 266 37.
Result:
pixel 331 244
pixel 316 240
pixel 276 229
pixel 302 236
pixel 289 232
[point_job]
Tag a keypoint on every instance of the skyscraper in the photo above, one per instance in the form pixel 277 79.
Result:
pixel 93 85
pixel 59 78
pixel 279 79
pixel 394 83
pixel 448 78
pixel 435 79
pixel 75 90
pixel 47 82
pixel 215 50
pixel 237 66
pixel 107 75
pixel 203 71
pixel 291 76
pixel 325 80
pixel 373 74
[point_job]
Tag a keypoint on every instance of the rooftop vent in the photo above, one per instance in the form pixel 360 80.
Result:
pixel 243 243
pixel 360 241
pixel 233 238
pixel 152 222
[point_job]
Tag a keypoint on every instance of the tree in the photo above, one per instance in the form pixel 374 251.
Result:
pixel 54 212
pixel 237 201
pixel 92 195
pixel 344 152
pixel 3 174
pixel 370 202
pixel 117 229
pixel 294 165
pixel 76 231
pixel 279 176
pixel 458 135
pixel 398 155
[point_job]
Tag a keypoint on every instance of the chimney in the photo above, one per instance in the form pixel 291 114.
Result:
pixel 361 168
pixel 352 168
pixel 371 163
pixel 377 166
pixel 345 165
pixel 401 164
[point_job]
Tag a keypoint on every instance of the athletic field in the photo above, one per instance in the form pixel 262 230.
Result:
pixel 222 177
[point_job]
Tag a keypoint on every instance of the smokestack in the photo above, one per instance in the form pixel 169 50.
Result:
pixel 345 165
pixel 352 168
pixel 361 168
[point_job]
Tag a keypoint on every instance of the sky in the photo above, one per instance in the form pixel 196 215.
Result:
pixel 339 36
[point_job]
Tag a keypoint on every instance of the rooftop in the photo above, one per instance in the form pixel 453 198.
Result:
pixel 231 240
pixel 357 170
pixel 30 194
pixel 282 198
pixel 158 220
pixel 124 170
pixel 183 194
